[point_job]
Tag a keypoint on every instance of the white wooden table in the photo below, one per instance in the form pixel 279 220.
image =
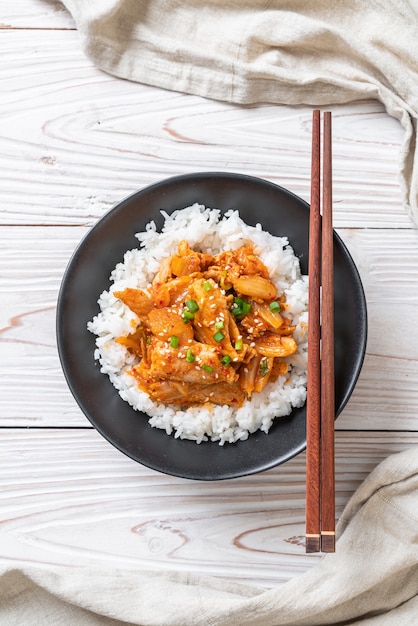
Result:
pixel 74 141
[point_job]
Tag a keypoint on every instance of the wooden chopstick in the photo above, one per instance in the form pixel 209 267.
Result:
pixel 327 490
pixel 320 413
pixel 313 401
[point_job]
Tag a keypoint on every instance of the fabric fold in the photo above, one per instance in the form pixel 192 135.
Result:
pixel 259 51
pixel 372 577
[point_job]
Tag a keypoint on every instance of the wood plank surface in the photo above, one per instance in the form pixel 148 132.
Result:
pixel 73 142
pixel 68 497
pixel 88 140
pixel 32 387
pixel 35 14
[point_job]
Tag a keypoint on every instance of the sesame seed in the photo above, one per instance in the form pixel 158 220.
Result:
pixel 211 297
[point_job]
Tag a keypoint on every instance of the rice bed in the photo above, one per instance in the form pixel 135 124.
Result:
pixel 206 230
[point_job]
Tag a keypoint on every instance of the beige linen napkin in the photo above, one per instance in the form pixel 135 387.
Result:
pixel 278 51
pixel 371 579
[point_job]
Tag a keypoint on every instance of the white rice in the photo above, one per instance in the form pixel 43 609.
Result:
pixel 207 231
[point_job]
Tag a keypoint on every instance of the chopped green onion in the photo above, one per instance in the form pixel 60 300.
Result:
pixel 187 316
pixel 219 324
pixel 236 309
pixel 207 285
pixel 218 336
pixel 274 307
pixel 226 360
pixel 190 357
pixel 192 306
pixel 238 345
pixel 207 368
pixel 174 341
pixel 264 368
pixel 240 307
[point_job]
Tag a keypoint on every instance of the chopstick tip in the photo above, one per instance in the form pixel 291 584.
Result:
pixel 313 543
pixel 328 541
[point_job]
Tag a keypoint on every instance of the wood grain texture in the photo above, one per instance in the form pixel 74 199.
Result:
pixel 68 497
pixel 32 387
pixel 74 141
pixel 327 350
pixel 88 140
pixel 35 14
pixel 313 388
pixel 385 395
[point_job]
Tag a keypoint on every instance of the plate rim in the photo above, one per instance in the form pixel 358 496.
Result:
pixel 108 216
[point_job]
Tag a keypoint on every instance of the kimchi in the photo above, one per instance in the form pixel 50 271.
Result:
pixel 211 328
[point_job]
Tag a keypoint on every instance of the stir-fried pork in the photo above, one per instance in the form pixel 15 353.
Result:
pixel 210 328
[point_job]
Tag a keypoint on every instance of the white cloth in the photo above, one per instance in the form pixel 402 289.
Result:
pixel 291 52
pixel 372 579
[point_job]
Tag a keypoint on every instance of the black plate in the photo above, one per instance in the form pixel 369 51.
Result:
pixel 87 275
